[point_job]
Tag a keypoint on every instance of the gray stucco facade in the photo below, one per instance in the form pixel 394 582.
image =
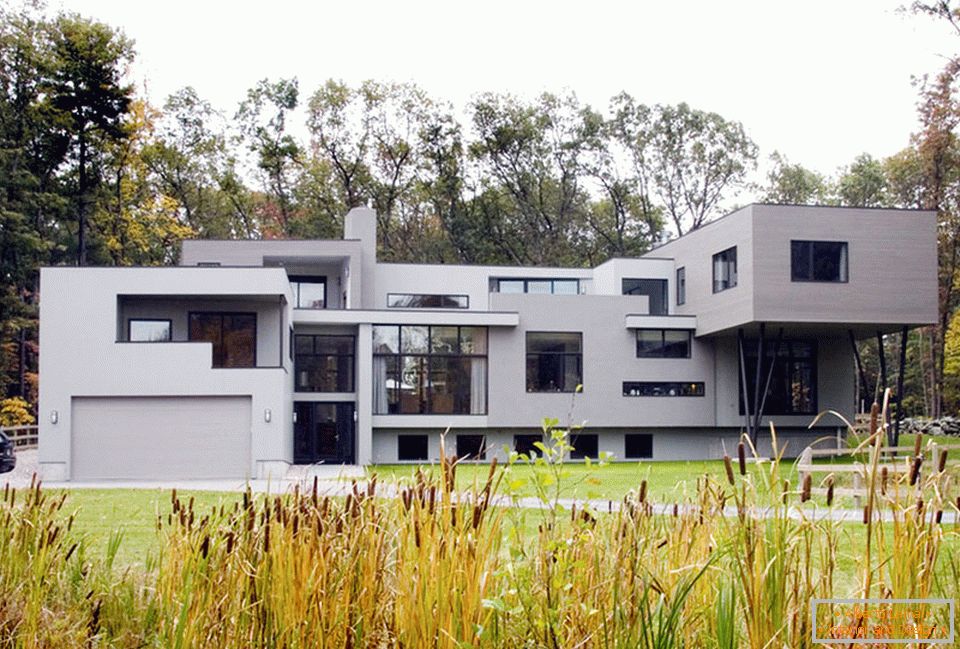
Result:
pixel 246 369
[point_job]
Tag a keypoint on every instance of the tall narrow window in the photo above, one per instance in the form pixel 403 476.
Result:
pixel 309 292
pixel 725 270
pixel 793 382
pixel 439 370
pixel 681 286
pixel 233 335
pixel 554 361
pixel 818 261
pixel 654 289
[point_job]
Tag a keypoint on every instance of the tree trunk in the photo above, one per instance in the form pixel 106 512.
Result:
pixel 81 202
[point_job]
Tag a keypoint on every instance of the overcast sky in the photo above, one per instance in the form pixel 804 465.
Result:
pixel 820 81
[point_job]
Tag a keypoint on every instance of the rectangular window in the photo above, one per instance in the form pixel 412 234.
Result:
pixel 663 389
pixel 429 370
pixel 725 270
pixel 412 447
pixel 324 363
pixel 233 335
pixel 145 330
pixel 584 445
pixel 664 343
pixel 638 446
pixel 424 301
pixel 793 383
pixel 471 447
pixel 554 361
pixel 818 261
pixel 681 286
pixel 309 292
pixel 525 444
pixel 541 286
pixel 654 289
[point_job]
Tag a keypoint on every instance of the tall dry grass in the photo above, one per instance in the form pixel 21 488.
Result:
pixel 421 564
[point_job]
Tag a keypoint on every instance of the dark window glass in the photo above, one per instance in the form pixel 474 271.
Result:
pixel 584 446
pixel 309 292
pixel 681 286
pixel 412 447
pixel 324 363
pixel 149 331
pixel 818 261
pixel 638 446
pixel 541 286
pixel 663 389
pixel 524 444
pixel 554 361
pixel 725 270
pixel 793 385
pixel 440 370
pixel 471 447
pixel 233 336
pixel 654 289
pixel 418 301
pixel 663 343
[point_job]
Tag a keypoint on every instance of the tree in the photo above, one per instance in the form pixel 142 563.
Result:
pixel 863 183
pixel 793 184
pixel 695 159
pixel 86 92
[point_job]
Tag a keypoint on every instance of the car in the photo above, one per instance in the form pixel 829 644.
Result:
pixel 8 458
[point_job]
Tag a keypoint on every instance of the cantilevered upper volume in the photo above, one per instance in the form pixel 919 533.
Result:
pixel 254 355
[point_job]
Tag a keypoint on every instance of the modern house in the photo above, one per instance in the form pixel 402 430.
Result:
pixel 252 356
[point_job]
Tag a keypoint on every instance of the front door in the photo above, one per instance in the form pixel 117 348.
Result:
pixel 323 432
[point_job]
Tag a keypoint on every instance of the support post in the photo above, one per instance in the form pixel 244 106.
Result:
pixel 743 385
pixel 864 390
pixel 903 365
pixel 882 355
pixel 758 372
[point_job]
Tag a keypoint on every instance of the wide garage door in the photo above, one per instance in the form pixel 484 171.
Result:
pixel 160 438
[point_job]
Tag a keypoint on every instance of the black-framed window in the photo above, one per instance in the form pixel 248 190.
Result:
pixel 585 445
pixel 725 269
pixel 149 330
pixel 233 335
pixel 818 261
pixel 427 301
pixel 793 383
pixel 324 363
pixel 526 444
pixel 664 343
pixel 681 285
pixel 539 286
pixel 412 447
pixel 309 292
pixel 554 361
pixel 429 370
pixel 472 447
pixel 638 446
pixel 664 389
pixel 654 289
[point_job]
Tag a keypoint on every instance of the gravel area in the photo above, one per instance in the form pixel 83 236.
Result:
pixel 21 475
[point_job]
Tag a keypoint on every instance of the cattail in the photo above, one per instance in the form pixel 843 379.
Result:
pixel 884 475
pixel 676 510
pixel 942 464
pixel 874 417
pixel 643 491
pixel 805 494
pixel 919 507
pixel 866 514
pixel 939 516
pixel 915 469
pixel 785 494
pixel 742 457
pixel 230 540
pixel 266 537
pixel 829 491
pixel 70 552
pixel 205 546
pixel 917 443
pixel 728 466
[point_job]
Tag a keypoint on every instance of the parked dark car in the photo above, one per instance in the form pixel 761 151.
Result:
pixel 8 458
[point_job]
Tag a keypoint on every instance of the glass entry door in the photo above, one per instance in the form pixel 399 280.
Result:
pixel 323 432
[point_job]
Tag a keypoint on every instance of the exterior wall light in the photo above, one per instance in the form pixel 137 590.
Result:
pixel 54 416
pixel 267 415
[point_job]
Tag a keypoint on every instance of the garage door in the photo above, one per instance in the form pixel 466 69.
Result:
pixel 160 437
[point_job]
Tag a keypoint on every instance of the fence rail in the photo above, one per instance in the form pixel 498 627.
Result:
pixel 23 437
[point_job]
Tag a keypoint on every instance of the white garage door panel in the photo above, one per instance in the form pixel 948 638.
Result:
pixel 160 437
